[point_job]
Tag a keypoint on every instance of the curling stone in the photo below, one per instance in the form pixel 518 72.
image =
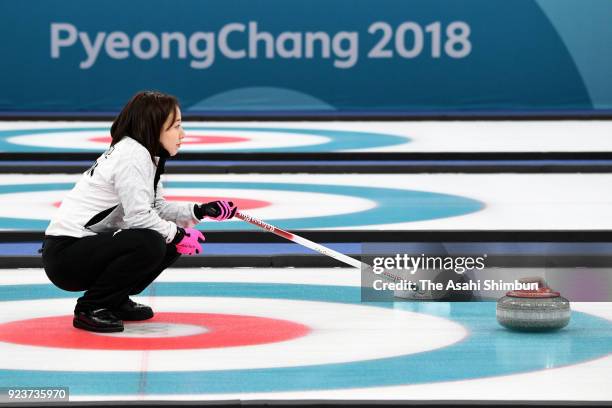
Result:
pixel 533 310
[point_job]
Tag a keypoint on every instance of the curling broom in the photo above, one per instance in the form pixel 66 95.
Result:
pixel 310 244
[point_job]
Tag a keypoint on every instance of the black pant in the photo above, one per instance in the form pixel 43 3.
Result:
pixel 108 267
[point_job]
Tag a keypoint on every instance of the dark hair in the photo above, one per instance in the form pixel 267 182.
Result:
pixel 142 119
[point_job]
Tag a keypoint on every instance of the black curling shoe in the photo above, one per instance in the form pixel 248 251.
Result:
pixel 132 311
pixel 97 320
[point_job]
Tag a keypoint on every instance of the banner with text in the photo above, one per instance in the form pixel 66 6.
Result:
pixel 328 57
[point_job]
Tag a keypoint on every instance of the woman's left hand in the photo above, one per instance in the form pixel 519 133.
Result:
pixel 190 242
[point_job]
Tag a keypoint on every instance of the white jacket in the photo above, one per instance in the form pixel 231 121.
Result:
pixel 117 193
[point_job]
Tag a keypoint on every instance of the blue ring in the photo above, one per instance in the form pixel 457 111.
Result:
pixel 340 139
pixel 393 205
pixel 489 350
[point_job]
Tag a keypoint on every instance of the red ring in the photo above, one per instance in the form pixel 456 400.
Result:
pixel 537 294
pixel 223 330
pixel 241 203
pixel 189 139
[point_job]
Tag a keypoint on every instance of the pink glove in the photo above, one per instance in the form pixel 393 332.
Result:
pixel 217 210
pixel 190 243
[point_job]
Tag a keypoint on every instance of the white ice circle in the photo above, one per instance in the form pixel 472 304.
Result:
pixel 257 139
pixel 143 330
pixel 340 333
pixel 284 204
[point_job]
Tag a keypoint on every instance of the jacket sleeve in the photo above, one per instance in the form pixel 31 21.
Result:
pixel 134 185
pixel 179 213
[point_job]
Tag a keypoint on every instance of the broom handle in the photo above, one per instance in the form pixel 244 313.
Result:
pixel 302 241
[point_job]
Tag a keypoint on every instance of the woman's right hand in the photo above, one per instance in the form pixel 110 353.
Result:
pixel 219 210
pixel 190 244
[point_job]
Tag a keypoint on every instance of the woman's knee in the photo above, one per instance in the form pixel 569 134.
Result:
pixel 146 242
